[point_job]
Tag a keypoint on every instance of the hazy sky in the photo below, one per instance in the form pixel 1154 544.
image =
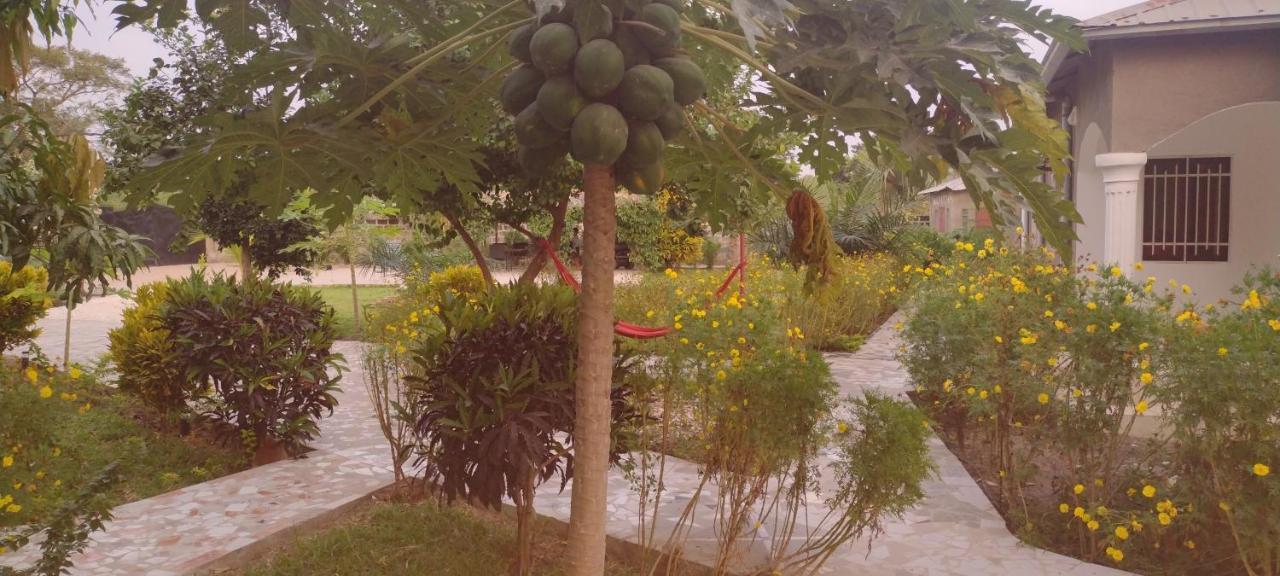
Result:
pixel 137 49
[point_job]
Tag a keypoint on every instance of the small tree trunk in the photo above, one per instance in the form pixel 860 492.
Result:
pixel 66 336
pixel 473 247
pixel 539 260
pixel 355 296
pixel 246 264
pixel 524 528
pixel 586 550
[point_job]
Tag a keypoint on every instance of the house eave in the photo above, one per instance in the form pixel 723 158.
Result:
pixel 1058 52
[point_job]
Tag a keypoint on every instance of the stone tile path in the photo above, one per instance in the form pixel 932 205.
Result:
pixel 955 530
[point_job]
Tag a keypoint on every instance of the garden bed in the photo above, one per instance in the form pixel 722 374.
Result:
pixel 420 537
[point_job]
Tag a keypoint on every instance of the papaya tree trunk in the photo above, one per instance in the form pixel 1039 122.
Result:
pixel 355 295
pixel 476 252
pixel 539 260
pixel 586 551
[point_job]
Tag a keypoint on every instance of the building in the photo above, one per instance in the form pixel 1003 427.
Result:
pixel 1174 116
pixel 951 208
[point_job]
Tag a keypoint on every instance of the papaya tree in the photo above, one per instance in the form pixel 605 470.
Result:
pixel 389 98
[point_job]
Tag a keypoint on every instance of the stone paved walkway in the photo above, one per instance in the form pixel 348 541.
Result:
pixel 955 530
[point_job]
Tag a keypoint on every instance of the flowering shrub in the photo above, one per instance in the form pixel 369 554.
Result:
pixel 742 390
pixel 23 300
pixel 142 350
pixel 1052 367
pixel 36 401
pixel 1221 393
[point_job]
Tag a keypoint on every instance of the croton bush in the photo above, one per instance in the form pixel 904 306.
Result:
pixel 253 356
pixel 23 300
pixel 1055 368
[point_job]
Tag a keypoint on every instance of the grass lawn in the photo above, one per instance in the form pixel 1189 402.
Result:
pixel 115 429
pixel 415 539
pixel 340 298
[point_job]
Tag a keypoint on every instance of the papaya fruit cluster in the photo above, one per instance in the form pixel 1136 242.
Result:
pixel 611 96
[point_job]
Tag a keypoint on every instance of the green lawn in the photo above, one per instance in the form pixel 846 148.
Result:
pixel 115 429
pixel 416 539
pixel 340 298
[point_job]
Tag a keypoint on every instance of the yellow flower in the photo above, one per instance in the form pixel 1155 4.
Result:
pixel 1147 377
pixel 1091 328
pixel 1078 488
pixel 670 273
pixel 841 427
pixel 1115 553
pixel 1143 346
pixel 7 462
pixel 1122 533
pixel 1059 324
pixel 1078 512
pixel 1190 544
pixel 1116 272
pixel 74 373
pixel 1186 289
pixel 1063 508
pixel 1138 266
pixel 1274 324
pixel 1048 313
pixel 46 392
pixel 1141 407
pixel 982 394
pixel 997 389
pixel 1093 525
pixel 946 385
pixel 970 390
pixel 1253 302
pixel 1043 398
pixel 678 326
pixel 1222 351
pixel 31 374
pixel 1164 519
pixel 1052 361
pixel 14 508
pixel 720 375
pixel 1149 491
pixel 999 340
pixel 1114 326
pixel 715 323
pixel 1261 469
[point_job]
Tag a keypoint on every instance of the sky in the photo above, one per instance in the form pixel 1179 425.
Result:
pixel 137 49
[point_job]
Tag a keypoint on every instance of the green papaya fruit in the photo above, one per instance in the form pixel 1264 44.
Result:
pixel 559 101
pixel 532 131
pixel 670 122
pixel 633 51
pixel 520 88
pixel 665 32
pixel 599 135
pixel 644 144
pixel 598 68
pixel 645 91
pixel 553 47
pixel 645 180
pixel 518 43
pixel 686 77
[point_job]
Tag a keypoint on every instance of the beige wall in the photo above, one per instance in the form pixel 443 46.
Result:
pixel 1250 135
pixel 1162 84
pixel 1186 95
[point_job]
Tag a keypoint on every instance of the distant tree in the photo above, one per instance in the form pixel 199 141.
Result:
pixel 71 88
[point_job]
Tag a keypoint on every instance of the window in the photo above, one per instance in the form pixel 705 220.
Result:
pixel 1186 209
pixel 966 218
pixel 919 219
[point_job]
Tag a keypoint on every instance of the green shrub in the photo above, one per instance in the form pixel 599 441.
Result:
pixel 493 395
pixel 142 350
pixel 1221 395
pixel 23 301
pixel 263 352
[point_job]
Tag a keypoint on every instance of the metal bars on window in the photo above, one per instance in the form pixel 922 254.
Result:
pixel 1186 209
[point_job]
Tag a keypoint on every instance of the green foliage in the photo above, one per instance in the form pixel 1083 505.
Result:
pixel 1222 396
pixel 262 351
pixel 275 244
pixel 710 251
pixel 862 292
pixel 23 301
pixel 48 209
pixel 143 353
pixel 68 87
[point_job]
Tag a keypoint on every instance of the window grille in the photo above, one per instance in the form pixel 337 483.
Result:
pixel 1186 209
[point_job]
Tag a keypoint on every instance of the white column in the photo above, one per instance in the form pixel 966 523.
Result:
pixel 1121 180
